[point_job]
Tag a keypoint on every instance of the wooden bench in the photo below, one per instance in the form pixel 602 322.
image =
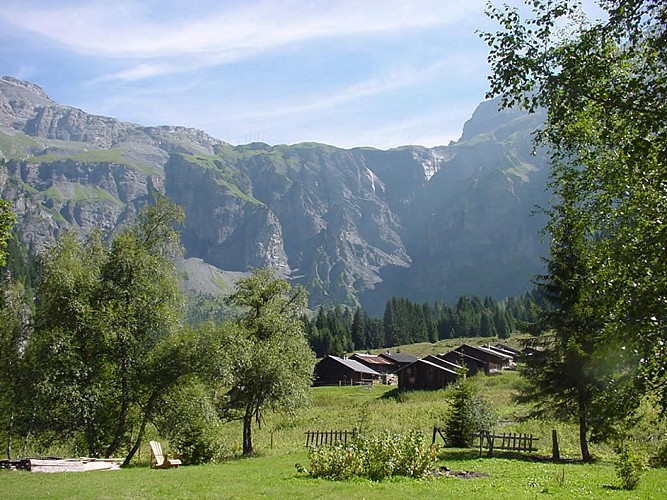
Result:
pixel 161 460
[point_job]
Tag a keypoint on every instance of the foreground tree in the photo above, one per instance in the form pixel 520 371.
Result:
pixel 102 351
pixel 67 352
pixel 270 361
pixel 15 318
pixel 562 379
pixel 604 86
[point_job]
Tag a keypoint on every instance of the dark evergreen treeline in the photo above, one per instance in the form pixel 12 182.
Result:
pixel 337 330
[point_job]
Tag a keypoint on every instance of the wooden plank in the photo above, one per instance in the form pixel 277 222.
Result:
pixel 72 465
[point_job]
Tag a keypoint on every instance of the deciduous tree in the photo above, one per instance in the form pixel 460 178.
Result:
pixel 271 363
pixel 604 87
pixel 102 350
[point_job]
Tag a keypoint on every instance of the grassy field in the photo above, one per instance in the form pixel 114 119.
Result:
pixel 280 445
pixel 274 476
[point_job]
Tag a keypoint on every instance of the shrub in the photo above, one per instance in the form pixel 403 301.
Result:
pixel 630 466
pixel 469 414
pixel 190 422
pixel 660 458
pixel 374 458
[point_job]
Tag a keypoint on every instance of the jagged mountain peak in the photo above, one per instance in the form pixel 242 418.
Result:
pixel 15 88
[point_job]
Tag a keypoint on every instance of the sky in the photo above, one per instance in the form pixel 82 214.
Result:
pixel 379 73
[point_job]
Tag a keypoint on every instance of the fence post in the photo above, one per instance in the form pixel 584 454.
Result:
pixel 555 452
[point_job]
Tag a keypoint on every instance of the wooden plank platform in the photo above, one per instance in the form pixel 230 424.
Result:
pixel 73 465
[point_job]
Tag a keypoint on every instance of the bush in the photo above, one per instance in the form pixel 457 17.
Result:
pixel 630 466
pixel 190 422
pixel 660 458
pixel 469 414
pixel 374 458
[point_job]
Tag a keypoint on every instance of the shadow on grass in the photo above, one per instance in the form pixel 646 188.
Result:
pixel 401 395
pixel 395 394
pixel 461 454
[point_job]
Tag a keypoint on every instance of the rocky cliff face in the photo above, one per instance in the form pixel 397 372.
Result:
pixel 350 225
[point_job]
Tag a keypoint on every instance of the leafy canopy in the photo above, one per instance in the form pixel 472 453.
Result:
pixel 271 363
pixel 604 87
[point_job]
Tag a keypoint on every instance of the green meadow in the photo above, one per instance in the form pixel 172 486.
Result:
pixel 280 445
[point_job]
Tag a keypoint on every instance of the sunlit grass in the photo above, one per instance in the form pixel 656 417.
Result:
pixel 273 475
pixel 280 444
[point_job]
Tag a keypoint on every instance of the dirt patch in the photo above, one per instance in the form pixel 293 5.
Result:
pixel 444 471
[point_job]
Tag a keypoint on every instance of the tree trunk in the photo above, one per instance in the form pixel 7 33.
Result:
pixel 137 442
pixel 555 450
pixel 91 438
pixel 583 427
pixel 583 440
pixel 148 413
pixel 10 429
pixel 247 432
pixel 124 407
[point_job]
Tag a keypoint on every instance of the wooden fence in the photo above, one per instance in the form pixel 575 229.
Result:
pixel 438 431
pixel 511 441
pixel 318 438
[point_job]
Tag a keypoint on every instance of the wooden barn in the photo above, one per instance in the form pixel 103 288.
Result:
pixel 426 374
pixel 473 365
pixel 442 362
pixel 386 367
pixel 377 363
pixel 332 370
pixel 495 360
pixel 514 354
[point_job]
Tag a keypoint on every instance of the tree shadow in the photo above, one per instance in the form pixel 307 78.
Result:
pixel 395 394
pixel 462 454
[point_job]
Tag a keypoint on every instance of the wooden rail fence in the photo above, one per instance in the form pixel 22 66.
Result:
pixel 511 441
pixel 318 438
pixel 438 431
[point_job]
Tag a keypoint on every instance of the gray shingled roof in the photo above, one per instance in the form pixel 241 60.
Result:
pixel 356 366
pixel 399 357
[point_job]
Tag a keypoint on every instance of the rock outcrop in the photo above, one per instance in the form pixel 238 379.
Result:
pixel 351 225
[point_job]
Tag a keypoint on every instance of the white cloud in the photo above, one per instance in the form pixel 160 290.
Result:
pixel 392 79
pixel 435 128
pixel 221 32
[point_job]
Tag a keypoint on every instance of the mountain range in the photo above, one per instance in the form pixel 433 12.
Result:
pixel 354 226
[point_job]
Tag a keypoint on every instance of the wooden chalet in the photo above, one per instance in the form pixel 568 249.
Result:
pixel 377 363
pixel 494 359
pixel 386 367
pixel 443 362
pixel 508 350
pixel 332 370
pixel 473 365
pixel 514 354
pixel 426 373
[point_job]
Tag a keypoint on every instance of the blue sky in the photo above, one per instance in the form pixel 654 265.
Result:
pixel 379 73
